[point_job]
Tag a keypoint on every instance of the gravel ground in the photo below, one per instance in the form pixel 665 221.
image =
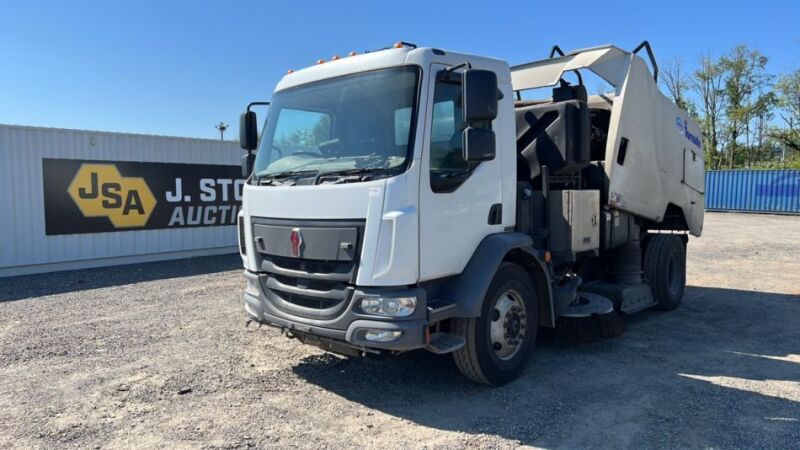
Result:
pixel 158 355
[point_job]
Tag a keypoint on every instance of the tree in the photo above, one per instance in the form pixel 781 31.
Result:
pixel 788 100
pixel 745 78
pixel 762 113
pixel 707 83
pixel 677 84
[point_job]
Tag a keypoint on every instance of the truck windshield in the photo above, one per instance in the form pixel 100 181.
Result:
pixel 356 126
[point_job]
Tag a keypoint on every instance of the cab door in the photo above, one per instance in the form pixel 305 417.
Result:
pixel 460 202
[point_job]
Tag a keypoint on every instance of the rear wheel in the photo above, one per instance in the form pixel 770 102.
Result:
pixel 499 342
pixel 665 269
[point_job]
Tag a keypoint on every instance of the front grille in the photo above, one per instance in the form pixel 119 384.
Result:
pixel 311 266
pixel 305 287
pixel 304 283
pixel 302 297
pixel 309 302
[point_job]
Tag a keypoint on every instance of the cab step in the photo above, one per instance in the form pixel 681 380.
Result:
pixel 440 310
pixel 442 343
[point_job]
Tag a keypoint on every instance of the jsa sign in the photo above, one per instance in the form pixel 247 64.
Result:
pixel 99 196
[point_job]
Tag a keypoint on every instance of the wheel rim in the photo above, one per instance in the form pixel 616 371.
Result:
pixel 508 324
pixel 673 275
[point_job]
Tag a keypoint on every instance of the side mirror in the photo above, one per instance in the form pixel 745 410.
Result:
pixel 248 131
pixel 248 161
pixel 479 95
pixel 478 144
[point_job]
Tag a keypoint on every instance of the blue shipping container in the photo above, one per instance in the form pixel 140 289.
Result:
pixel 769 191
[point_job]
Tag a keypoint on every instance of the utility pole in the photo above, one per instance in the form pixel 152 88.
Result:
pixel 222 126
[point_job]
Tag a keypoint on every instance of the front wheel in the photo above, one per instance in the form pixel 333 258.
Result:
pixel 665 269
pixel 499 342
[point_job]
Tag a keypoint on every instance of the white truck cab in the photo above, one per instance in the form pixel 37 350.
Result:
pixel 407 198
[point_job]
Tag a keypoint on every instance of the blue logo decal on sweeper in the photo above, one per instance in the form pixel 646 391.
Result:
pixel 683 126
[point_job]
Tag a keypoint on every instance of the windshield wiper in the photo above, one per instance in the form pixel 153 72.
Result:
pixel 287 174
pixel 354 173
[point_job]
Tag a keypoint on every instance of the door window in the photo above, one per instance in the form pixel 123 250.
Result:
pixel 448 169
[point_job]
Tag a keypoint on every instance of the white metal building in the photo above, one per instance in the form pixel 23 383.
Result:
pixel 75 199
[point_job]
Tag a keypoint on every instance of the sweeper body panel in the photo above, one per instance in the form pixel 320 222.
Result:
pixel 410 198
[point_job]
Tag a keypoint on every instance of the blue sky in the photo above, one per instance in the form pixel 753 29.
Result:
pixel 178 68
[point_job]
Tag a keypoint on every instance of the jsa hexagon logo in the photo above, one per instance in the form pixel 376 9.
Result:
pixel 100 191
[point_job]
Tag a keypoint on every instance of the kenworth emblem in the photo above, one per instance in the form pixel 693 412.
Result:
pixel 296 239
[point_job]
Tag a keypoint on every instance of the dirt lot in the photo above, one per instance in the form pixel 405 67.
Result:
pixel 159 356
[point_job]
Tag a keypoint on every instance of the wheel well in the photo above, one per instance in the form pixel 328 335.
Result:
pixel 674 219
pixel 540 282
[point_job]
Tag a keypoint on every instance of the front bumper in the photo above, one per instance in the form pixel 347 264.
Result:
pixel 348 325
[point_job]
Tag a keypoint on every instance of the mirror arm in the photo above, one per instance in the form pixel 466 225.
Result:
pixel 458 66
pixel 251 104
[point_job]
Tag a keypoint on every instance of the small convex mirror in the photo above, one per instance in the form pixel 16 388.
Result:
pixel 478 144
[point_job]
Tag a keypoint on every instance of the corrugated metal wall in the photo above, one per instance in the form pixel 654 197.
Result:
pixel 769 191
pixel 25 247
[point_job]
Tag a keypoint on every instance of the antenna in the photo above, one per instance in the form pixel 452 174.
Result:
pixel 222 126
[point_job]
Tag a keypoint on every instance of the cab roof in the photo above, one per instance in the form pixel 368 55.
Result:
pixel 390 57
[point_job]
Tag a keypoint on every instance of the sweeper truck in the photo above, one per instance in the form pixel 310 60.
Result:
pixel 417 198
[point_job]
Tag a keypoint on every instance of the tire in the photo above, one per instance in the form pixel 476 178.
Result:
pixel 665 269
pixel 485 360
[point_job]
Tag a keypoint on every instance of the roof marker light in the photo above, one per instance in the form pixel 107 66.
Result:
pixel 398 44
pixel 353 53
pixel 320 61
pixel 289 71
pixel 335 57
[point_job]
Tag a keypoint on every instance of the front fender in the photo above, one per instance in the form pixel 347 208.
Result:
pixel 468 288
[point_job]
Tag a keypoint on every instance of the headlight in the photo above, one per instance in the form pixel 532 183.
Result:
pixel 389 307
